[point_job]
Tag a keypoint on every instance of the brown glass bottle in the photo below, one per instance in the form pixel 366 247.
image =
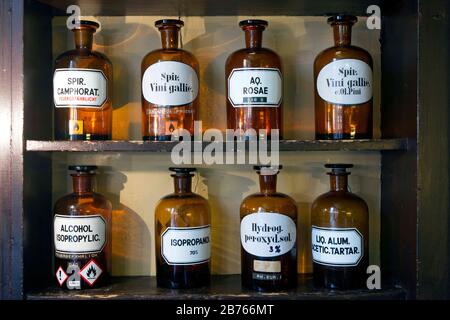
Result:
pixel 183 235
pixel 340 234
pixel 343 86
pixel 170 85
pixel 82 234
pixel 82 89
pixel 268 236
pixel 254 84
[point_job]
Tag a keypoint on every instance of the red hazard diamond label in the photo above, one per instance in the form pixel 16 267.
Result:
pixel 61 276
pixel 91 272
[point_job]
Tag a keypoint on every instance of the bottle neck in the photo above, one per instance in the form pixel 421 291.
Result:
pixel 268 183
pixel 83 38
pixel 182 184
pixel 338 183
pixel 342 34
pixel 169 37
pixel 253 37
pixel 82 184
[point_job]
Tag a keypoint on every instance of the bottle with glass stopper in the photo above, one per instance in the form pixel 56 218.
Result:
pixel 268 236
pixel 170 86
pixel 254 85
pixel 183 235
pixel 340 234
pixel 343 86
pixel 82 89
pixel 82 234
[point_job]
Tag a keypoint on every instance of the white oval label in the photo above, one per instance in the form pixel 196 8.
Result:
pixel 346 82
pixel 83 88
pixel 340 247
pixel 79 234
pixel 170 83
pixel 268 234
pixel 183 246
pixel 255 87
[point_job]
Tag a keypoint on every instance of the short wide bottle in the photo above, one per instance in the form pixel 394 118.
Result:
pixel 268 236
pixel 82 89
pixel 82 234
pixel 343 86
pixel 170 86
pixel 183 235
pixel 254 84
pixel 340 234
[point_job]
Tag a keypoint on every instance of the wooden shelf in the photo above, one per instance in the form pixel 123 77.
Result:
pixel 212 7
pixel 157 146
pixel 222 287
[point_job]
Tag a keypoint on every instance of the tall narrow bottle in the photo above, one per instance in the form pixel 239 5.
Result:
pixel 82 234
pixel 254 84
pixel 170 84
pixel 183 235
pixel 268 236
pixel 82 89
pixel 343 86
pixel 340 234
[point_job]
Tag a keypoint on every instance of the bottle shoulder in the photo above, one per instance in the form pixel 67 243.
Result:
pixel 182 210
pixel 73 204
pixel 250 57
pixel 181 198
pixel 338 200
pixel 178 55
pixel 83 59
pixel 82 54
pixel 273 202
pixel 343 52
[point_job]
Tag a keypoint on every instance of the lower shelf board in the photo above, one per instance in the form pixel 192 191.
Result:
pixel 167 146
pixel 223 287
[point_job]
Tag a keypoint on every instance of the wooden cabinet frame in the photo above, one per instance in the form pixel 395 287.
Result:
pixel 415 108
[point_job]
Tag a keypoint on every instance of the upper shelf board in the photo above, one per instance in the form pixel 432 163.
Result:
pixel 213 7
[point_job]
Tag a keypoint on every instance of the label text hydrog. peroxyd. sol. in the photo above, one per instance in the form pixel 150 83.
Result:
pixel 268 234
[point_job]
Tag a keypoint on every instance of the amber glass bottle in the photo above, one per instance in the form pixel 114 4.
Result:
pixel 343 86
pixel 254 84
pixel 340 234
pixel 183 235
pixel 82 234
pixel 268 236
pixel 82 89
pixel 170 84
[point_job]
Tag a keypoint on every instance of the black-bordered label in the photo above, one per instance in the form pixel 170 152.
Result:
pixel 79 235
pixel 78 87
pixel 186 246
pixel 338 247
pixel 255 87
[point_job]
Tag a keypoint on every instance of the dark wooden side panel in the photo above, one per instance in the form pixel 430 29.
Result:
pixel 11 149
pixel 433 150
pixel 399 119
pixel 38 106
